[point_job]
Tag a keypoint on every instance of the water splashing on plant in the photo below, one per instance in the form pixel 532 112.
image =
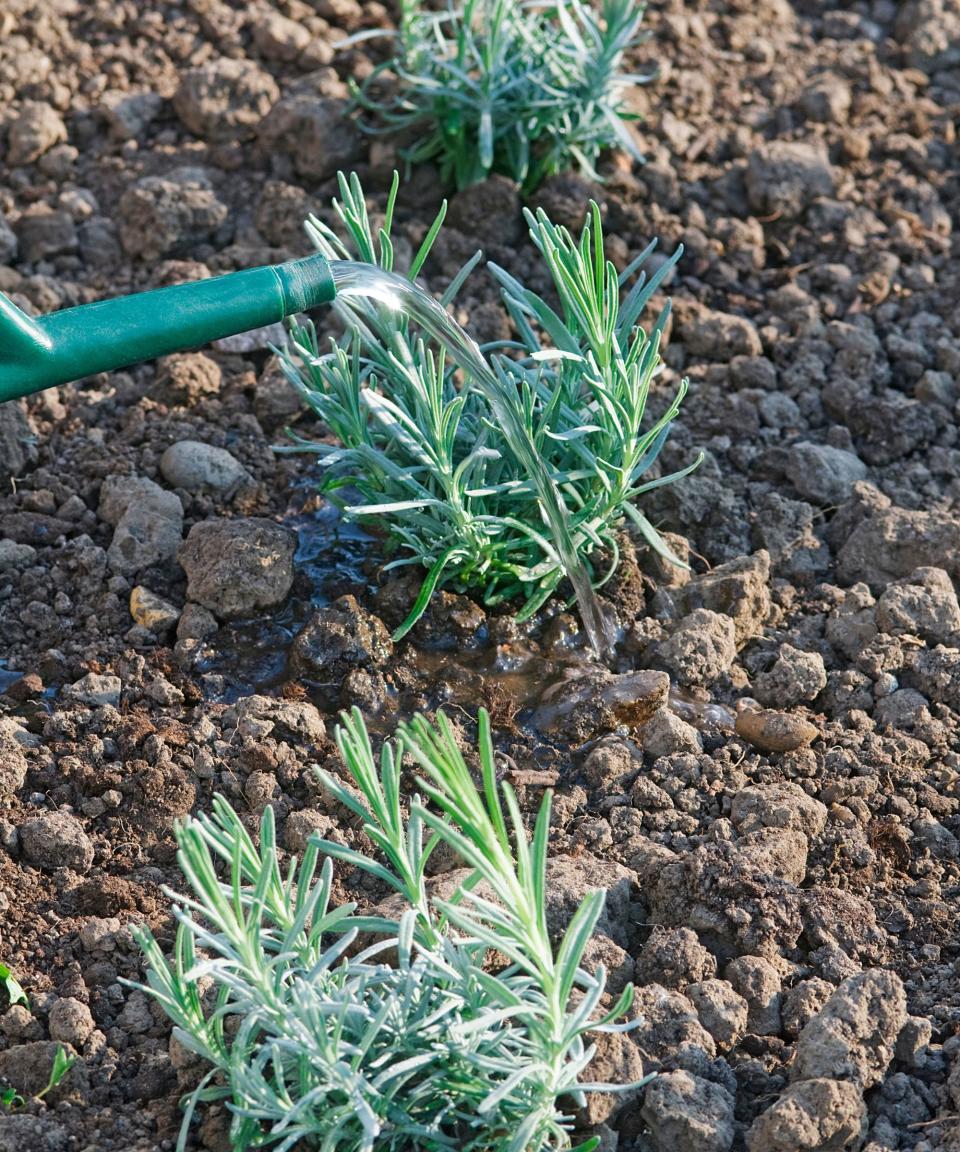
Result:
pixel 354 279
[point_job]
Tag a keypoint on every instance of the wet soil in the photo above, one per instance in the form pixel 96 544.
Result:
pixel 766 773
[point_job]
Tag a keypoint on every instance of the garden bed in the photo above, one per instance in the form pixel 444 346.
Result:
pixel 764 776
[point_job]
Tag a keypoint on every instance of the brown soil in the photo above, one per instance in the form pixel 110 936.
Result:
pixel 780 839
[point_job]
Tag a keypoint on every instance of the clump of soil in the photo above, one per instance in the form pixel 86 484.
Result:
pixel 765 777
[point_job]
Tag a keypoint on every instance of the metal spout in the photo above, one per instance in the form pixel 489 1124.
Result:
pixel 49 350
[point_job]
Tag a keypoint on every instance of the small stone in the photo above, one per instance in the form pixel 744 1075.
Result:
pixel 56 840
pixel 802 1002
pixel 35 131
pixel 17 448
pixel 168 215
pixel 151 611
pixel 923 604
pixel 94 690
pixel 796 678
pixel 821 1115
pixel 665 734
pixel 827 100
pixel 758 982
pixel 196 623
pixel 297 721
pixel 191 464
pixel 821 474
pixel 225 100
pixel 9 244
pixel 854 1035
pixel 148 520
pixel 783 805
pixel 890 543
pixel 774 731
pixel 187 377
pixel 70 1022
pixel 129 114
pixel 337 639
pixel 13 765
pixel 276 401
pixel 277 37
pixel 738 589
pixel 43 234
pixel 701 648
pixel 722 1010
pixel 235 567
pixel 314 131
pixel 785 176
pixel 687 1112
pixel 584 703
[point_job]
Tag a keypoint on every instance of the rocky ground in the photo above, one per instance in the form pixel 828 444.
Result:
pixel 766 778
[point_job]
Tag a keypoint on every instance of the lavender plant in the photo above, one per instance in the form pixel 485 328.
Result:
pixel 507 86
pixel 409 1043
pixel 421 449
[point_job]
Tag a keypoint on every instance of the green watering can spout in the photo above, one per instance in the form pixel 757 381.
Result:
pixel 49 350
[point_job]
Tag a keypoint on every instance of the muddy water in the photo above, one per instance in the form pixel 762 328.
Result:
pixel 335 557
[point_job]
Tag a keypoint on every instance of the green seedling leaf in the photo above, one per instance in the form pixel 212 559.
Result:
pixel 14 992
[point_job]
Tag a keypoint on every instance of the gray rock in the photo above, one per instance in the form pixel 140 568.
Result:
pixel 854 1035
pixel 923 604
pixel 738 589
pixel 796 678
pixel 191 464
pixel 827 99
pixel 782 805
pixel 36 129
pixel 722 1010
pixel 759 983
pixel 665 734
pixel 820 1115
pixel 129 114
pixel 701 648
pixel 670 1030
pixel 148 522
pixel 802 1002
pixel 893 542
pixel 95 690
pixel 56 840
pixel 168 215
pixel 295 720
pixel 14 555
pixel 43 234
pixel 616 1061
pixel 684 1111
pixel 936 673
pixel 225 100
pixel 300 826
pixel 13 764
pixel 785 176
pixel 276 401
pixel 99 242
pixel 118 493
pixel 9 244
pixel 822 474
pixel 570 878
pixel 17 447
pixel 196 623
pixel 235 567
pixel 315 131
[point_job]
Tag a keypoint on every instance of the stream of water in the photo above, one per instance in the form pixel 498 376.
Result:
pixel 399 294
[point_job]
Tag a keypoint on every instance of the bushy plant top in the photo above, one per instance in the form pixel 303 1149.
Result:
pixel 420 448
pixel 411 1042
pixel 521 88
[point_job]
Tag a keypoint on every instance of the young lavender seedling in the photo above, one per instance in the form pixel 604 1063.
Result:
pixel 409 1042
pixel 521 88
pixel 426 458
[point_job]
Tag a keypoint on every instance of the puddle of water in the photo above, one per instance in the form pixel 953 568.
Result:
pixel 333 557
